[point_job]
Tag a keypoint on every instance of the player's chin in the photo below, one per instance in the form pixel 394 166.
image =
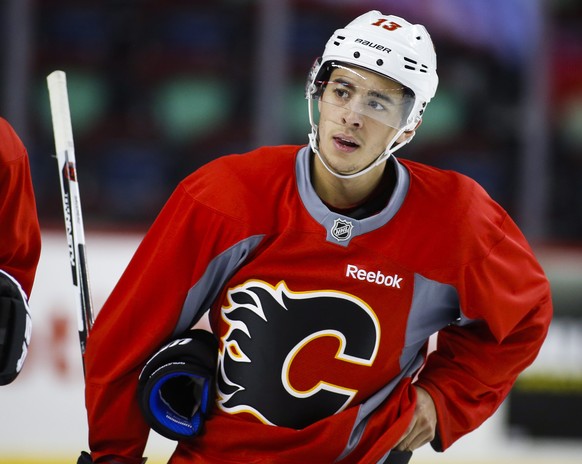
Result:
pixel 342 167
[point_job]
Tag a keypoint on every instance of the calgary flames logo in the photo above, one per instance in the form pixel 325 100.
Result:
pixel 268 366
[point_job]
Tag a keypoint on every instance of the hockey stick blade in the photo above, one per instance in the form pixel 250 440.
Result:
pixel 65 154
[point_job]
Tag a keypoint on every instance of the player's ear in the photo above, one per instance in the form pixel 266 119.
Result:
pixel 409 133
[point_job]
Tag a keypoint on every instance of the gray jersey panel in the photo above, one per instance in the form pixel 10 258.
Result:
pixel 434 306
pixel 220 269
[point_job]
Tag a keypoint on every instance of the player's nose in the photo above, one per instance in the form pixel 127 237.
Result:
pixel 352 118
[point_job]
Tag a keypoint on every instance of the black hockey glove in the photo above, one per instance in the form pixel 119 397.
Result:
pixel 15 328
pixel 176 388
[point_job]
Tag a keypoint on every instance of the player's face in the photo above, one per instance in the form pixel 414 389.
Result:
pixel 356 110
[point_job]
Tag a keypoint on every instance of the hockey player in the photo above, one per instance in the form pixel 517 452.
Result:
pixel 19 252
pixel 325 269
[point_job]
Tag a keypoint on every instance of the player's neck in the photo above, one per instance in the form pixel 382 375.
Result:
pixel 344 194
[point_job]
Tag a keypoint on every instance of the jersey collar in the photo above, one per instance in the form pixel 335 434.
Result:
pixel 342 229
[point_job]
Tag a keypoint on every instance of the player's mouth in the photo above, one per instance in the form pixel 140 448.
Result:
pixel 345 143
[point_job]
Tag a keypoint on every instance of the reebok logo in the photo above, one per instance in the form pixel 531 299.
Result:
pixel 375 277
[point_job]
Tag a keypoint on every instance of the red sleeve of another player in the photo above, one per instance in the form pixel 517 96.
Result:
pixel 20 232
pixel 507 297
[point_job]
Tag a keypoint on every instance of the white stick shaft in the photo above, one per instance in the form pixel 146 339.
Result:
pixel 65 151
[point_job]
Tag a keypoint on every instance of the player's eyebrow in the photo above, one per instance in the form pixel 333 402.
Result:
pixel 371 92
pixel 386 97
pixel 381 96
pixel 344 82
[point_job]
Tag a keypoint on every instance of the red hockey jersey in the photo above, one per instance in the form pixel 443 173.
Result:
pixel 323 320
pixel 20 232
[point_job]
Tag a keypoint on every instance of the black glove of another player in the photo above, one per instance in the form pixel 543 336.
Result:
pixel 176 387
pixel 15 328
pixel 85 458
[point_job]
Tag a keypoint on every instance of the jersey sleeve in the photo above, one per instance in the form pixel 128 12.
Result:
pixel 143 312
pixel 20 232
pixel 506 310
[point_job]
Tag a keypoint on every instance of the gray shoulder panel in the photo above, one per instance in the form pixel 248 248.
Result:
pixel 203 293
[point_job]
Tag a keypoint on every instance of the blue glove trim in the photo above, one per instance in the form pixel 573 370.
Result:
pixel 176 390
pixel 167 417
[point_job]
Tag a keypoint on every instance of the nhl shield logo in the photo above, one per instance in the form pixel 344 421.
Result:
pixel 342 229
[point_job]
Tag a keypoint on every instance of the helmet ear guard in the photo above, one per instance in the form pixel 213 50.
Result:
pixel 312 77
pixel 176 388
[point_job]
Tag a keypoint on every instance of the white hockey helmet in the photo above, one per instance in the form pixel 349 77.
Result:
pixel 389 46
pixel 386 45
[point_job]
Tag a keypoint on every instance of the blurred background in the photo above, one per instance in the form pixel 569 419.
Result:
pixel 159 87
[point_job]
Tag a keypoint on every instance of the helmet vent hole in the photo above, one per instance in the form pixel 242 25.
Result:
pixel 379 62
pixel 356 54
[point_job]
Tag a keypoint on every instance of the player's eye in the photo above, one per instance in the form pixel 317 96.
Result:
pixel 341 90
pixel 376 105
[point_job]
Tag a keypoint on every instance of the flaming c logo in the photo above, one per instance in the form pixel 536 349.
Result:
pixel 269 330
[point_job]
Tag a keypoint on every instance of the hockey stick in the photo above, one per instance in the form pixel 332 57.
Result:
pixel 63 132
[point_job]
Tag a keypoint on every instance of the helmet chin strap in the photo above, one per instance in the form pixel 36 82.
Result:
pixel 379 160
